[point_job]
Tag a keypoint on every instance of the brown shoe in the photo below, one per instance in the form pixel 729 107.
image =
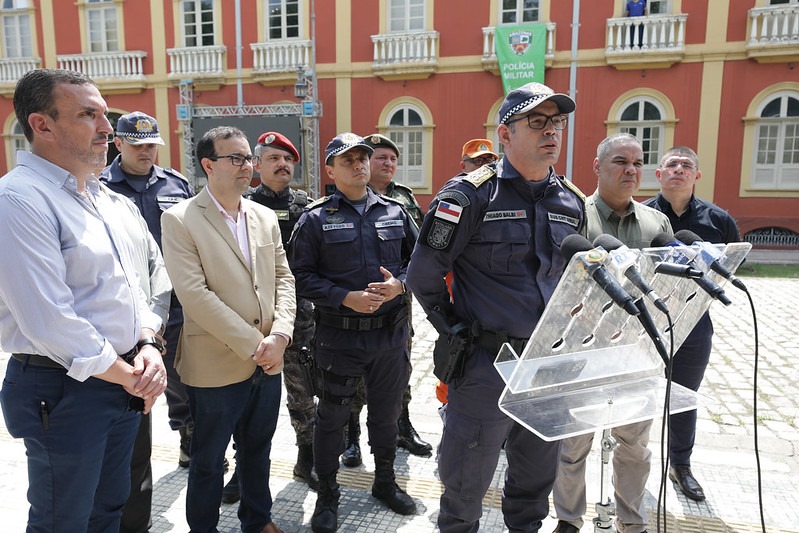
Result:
pixel 271 528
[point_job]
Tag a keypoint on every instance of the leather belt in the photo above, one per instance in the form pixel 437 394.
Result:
pixel 364 323
pixel 493 341
pixel 45 362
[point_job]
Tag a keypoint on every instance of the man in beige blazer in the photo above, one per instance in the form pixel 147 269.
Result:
pixel 226 259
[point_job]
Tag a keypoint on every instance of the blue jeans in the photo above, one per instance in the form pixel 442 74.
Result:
pixel 248 411
pixel 79 440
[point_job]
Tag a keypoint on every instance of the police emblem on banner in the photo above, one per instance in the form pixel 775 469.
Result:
pixel 440 234
pixel 519 41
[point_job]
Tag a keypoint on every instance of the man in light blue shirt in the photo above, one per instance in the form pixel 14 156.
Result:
pixel 84 350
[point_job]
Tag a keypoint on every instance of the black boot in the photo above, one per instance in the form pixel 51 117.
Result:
pixel 325 514
pixel 185 446
pixel 304 467
pixel 409 439
pixel 385 487
pixel 352 448
pixel 230 494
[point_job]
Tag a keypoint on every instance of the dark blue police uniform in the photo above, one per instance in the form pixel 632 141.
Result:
pixel 712 224
pixel 164 188
pixel 500 236
pixel 336 249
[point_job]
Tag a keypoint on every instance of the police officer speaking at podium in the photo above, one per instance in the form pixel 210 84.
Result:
pixel 349 253
pixel 498 229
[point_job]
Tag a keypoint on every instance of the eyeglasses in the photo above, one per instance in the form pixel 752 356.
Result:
pixel 237 160
pixel 538 121
pixel 481 160
pixel 686 164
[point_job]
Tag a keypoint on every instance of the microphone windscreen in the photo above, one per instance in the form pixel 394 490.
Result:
pixel 573 244
pixel 608 242
pixel 662 239
pixel 687 236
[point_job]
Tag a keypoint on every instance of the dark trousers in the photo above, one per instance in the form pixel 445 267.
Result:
pixel 79 440
pixel 247 411
pixel 469 453
pixel 385 375
pixel 136 514
pixel 690 363
pixel 176 398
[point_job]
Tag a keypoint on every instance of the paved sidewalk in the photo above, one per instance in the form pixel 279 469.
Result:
pixel 724 459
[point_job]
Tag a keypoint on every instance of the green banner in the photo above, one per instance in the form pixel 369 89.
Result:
pixel 520 52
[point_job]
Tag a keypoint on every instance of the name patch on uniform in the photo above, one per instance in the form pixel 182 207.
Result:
pixel 556 217
pixel 330 227
pixel 388 223
pixel 449 212
pixel 440 234
pixel 504 215
pixel 282 214
pixel 174 199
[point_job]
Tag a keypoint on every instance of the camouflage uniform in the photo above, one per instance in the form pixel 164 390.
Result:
pixel 288 205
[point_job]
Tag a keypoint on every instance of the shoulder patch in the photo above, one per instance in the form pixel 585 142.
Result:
pixel 573 188
pixel 439 236
pixel 481 175
pixel 454 195
pixel 320 201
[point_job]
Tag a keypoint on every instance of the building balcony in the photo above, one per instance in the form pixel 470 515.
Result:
pixel 774 34
pixel 655 41
pixel 202 64
pixel 405 55
pixel 489 60
pixel 276 63
pixel 112 71
pixel 12 69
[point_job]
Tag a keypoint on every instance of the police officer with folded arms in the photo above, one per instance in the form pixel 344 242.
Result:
pixel 349 254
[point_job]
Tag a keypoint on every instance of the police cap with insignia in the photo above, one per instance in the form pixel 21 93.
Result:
pixel 376 140
pixel 278 140
pixel 344 142
pixel 528 96
pixel 138 128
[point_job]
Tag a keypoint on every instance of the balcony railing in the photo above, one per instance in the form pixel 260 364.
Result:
pixel 196 61
pixel 281 56
pixel 654 39
pixel 12 69
pixel 106 65
pixel 405 53
pixel 490 50
pixel 774 32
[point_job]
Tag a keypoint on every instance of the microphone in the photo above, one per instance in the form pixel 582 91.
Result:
pixel 651 329
pixel 592 263
pixel 709 255
pixel 680 271
pixel 708 285
pixel 622 260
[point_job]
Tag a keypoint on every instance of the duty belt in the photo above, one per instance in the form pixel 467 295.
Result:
pixel 45 362
pixel 361 323
pixel 493 342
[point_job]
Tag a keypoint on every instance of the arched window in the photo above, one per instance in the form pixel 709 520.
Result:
pixel 406 129
pixel 776 146
pixel 17 141
pixel 643 118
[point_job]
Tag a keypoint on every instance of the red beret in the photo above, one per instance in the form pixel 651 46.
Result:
pixel 278 140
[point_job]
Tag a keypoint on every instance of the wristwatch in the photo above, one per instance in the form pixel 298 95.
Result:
pixel 152 341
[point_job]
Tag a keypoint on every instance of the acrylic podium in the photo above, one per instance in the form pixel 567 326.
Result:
pixel 589 365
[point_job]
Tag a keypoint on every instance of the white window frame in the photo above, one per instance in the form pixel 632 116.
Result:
pixel 22 36
pixel 517 12
pixel 17 140
pixel 652 155
pixel 411 142
pixel 102 25
pixel 284 27
pixel 776 174
pixel 664 7
pixel 198 24
pixel 403 17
